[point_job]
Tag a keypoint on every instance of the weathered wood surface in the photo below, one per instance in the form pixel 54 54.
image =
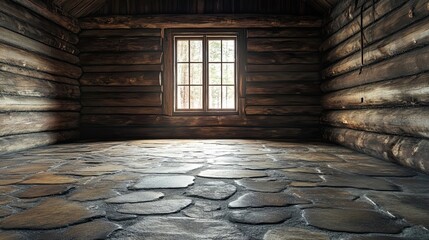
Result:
pixel 283 44
pixel 407 151
pixel 35 33
pixel 121 58
pixel 282 88
pixel 22 58
pixel 20 103
pixel 122 68
pixel 122 79
pixel 282 76
pixel 282 58
pixel 282 100
pixel 122 110
pixel 99 33
pixel 25 141
pixel 36 74
pixel 14 84
pixel 122 89
pixel 281 32
pixel 121 99
pixel 284 110
pixel 199 21
pixel 407 64
pixel 283 68
pixel 27 122
pixel 120 44
pixel 412 122
pixel 409 91
pixel 48 12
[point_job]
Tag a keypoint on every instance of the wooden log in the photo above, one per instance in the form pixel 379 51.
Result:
pixel 284 32
pixel 199 21
pixel 409 91
pixel 283 88
pixel 28 122
pixel 283 44
pixel 282 58
pixel 120 44
pixel 151 32
pixel 341 7
pixel 128 58
pixel 122 110
pixel 412 37
pixel 201 132
pixel 123 68
pixel 25 15
pixel 19 104
pixel 14 56
pixel 36 74
pixel 283 68
pixel 282 100
pixel 122 89
pixel 381 9
pixel 412 122
pixel 49 12
pixel 13 84
pixel 121 99
pixel 36 33
pixel 407 64
pixel 20 142
pixel 14 39
pixel 282 76
pixel 406 151
pixel 284 110
pixel 121 79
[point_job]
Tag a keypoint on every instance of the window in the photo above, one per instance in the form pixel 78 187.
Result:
pixel 205 73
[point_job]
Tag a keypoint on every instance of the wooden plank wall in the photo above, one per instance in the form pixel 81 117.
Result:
pixel 122 85
pixel 378 104
pixel 39 90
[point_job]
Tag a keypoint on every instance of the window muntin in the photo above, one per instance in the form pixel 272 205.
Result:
pixel 205 73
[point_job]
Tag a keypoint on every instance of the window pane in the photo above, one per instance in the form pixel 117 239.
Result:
pixel 196 50
pixel 182 73
pixel 228 97
pixel 215 97
pixel 196 97
pixel 182 50
pixel 215 50
pixel 182 97
pixel 228 50
pixel 228 73
pixel 214 73
pixel 196 73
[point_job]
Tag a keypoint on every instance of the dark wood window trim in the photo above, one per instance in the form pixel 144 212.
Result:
pixel 169 65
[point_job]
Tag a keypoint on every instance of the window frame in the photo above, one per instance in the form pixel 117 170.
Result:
pixel 169 81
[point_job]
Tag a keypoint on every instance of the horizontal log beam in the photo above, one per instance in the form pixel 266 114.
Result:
pixel 403 121
pixel 28 122
pixel 409 91
pixel 199 21
pixel 25 141
pixel 122 89
pixel 121 79
pixel 406 151
pixel 282 100
pixel 283 68
pixel 284 32
pixel 121 99
pixel 128 58
pixel 18 103
pixel 282 58
pixel 150 32
pixel 120 44
pixel 282 76
pixel 283 88
pixel 122 68
pixel 283 44
pixel 283 110
pixel 122 110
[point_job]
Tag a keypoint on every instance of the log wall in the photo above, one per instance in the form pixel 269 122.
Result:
pixel 124 79
pixel 39 90
pixel 376 100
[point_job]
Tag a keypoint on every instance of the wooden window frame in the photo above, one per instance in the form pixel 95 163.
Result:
pixel 169 87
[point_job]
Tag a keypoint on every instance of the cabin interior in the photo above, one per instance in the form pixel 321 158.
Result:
pixel 214 119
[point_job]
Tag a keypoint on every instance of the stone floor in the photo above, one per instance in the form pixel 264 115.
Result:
pixel 208 189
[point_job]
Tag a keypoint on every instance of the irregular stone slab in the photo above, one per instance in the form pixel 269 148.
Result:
pixel 183 168
pixel 412 185
pixel 351 220
pixel 230 173
pixel 262 165
pixel 25 169
pixel 5 211
pixel 322 194
pixel 47 179
pixel 340 203
pixel 5 199
pixel 265 200
pixel 303 177
pixel 303 184
pixel 373 169
pixel 9 235
pixel 120 217
pixel 262 185
pixel 312 170
pixel 204 210
pixel 376 237
pixel 103 168
pixel 10 180
pixel 169 228
pixel 212 190
pixel 52 213
pixel 98 229
pixel 311 157
pixel 157 207
pixel 260 216
pixel 136 197
pixel 7 189
pixel 291 233
pixel 167 181
pixel 413 207
pixel 43 191
pixel 84 194
pixel 356 181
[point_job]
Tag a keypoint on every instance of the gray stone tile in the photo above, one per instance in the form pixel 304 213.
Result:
pixel 204 209
pixel 164 181
pixel 43 191
pixel 260 216
pixel 157 207
pixel 212 190
pixel 292 233
pixel 136 197
pixel 230 173
pixel 260 185
pixel 357 181
pixel 266 200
